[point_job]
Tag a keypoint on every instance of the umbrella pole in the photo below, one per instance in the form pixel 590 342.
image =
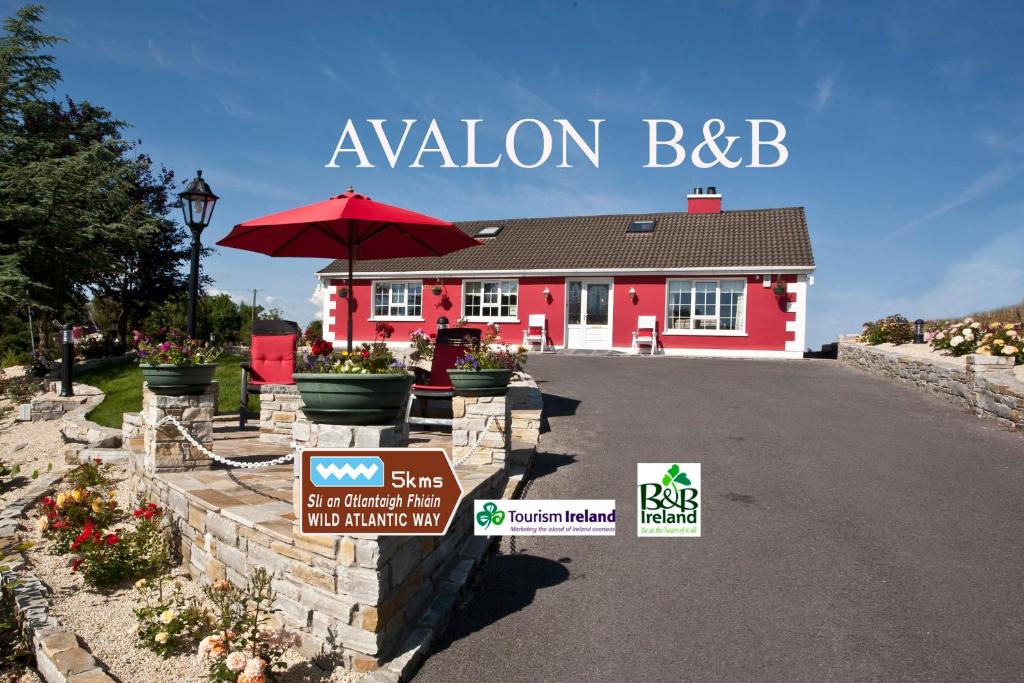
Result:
pixel 348 307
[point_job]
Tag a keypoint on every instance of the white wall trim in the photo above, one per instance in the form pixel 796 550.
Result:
pixel 329 321
pixel 572 272
pixel 725 353
pixel 799 307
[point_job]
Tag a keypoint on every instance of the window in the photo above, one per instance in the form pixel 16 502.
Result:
pixel 491 300
pixel 490 231
pixel 706 305
pixel 641 226
pixel 398 300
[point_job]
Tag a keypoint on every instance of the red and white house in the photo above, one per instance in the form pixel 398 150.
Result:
pixel 712 282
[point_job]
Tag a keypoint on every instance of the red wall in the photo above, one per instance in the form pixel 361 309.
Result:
pixel 766 314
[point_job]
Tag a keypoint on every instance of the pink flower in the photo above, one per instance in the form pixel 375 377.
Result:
pixel 236 661
pixel 255 667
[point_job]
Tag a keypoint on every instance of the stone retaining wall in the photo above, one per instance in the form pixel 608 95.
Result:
pixel 356 596
pixel 985 385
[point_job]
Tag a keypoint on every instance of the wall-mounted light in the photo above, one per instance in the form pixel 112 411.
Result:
pixel 632 294
pixel 547 294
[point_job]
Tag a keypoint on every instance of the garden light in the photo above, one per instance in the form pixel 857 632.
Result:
pixel 197 203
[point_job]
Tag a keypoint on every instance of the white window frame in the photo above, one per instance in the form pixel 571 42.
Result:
pixel 395 318
pixel 741 312
pixel 486 318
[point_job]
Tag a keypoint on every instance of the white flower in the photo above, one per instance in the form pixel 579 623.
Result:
pixel 975 325
pixel 236 661
pixel 161 637
pixel 167 616
pixel 968 334
pixel 940 335
pixel 1009 350
pixel 255 666
pixel 140 584
pixel 957 340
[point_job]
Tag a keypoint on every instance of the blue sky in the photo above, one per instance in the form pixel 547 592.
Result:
pixel 905 121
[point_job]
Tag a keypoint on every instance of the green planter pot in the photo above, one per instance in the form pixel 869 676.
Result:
pixel 178 380
pixel 480 382
pixel 346 399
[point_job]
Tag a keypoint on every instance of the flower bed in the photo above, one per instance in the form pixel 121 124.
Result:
pixel 150 621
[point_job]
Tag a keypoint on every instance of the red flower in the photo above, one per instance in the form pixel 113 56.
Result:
pixel 98 461
pixel 148 514
pixel 138 513
pixel 48 502
pixel 366 354
pixel 60 525
pixel 112 539
pixel 76 564
pixel 322 348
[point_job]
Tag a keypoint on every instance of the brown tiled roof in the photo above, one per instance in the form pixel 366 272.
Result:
pixel 755 238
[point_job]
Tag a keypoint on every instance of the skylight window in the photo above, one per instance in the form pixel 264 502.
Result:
pixel 490 231
pixel 641 226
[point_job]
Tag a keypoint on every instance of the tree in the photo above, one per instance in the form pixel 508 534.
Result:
pixel 82 213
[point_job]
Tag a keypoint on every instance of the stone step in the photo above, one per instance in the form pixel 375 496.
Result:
pixel 108 456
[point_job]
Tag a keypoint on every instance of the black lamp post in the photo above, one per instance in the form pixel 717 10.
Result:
pixel 919 331
pixel 197 202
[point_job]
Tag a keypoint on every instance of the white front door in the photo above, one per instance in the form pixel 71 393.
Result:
pixel 588 314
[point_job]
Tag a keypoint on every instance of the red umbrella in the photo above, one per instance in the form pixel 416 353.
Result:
pixel 348 226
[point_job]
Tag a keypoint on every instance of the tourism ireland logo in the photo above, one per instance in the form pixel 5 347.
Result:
pixel 668 499
pixel 490 515
pixel 544 517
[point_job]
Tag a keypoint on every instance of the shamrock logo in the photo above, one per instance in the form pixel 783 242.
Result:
pixel 490 514
pixel 674 476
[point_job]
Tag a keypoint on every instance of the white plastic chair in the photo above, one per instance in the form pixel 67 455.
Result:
pixel 646 333
pixel 536 321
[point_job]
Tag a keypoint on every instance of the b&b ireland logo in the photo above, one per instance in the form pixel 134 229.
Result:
pixel 668 499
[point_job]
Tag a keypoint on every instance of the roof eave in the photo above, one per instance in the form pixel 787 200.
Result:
pixel 753 269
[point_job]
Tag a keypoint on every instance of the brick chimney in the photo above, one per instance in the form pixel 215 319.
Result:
pixel 701 201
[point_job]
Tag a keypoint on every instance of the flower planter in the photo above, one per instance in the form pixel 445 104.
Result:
pixel 480 382
pixel 436 290
pixel 779 290
pixel 353 399
pixel 178 380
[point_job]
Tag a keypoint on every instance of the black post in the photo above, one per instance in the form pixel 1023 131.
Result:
pixel 67 359
pixel 193 286
pixel 919 331
pixel 348 300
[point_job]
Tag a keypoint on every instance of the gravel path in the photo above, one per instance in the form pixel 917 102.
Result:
pixel 106 623
pixel 33 446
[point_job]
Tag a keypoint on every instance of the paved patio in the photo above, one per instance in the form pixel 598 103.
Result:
pixel 260 497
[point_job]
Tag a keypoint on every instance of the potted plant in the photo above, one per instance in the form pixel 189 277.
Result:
pixel 437 289
pixel 486 370
pixel 173 364
pixel 367 386
pixel 779 288
pixel 342 291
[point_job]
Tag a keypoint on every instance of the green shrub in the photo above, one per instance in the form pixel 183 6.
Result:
pixel 169 623
pixel 894 329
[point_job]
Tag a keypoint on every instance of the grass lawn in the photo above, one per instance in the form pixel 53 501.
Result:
pixel 122 385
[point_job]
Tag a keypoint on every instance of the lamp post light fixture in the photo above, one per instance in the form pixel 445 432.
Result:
pixel 197 202
pixel 919 331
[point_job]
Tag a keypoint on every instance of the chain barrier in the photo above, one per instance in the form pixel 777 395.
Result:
pixel 210 454
pixel 284 458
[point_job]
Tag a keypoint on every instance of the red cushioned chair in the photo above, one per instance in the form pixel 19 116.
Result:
pixel 271 360
pixel 450 345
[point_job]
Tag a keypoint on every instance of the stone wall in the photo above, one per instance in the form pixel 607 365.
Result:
pixel 280 407
pixel 481 429
pixel 358 597
pixel 985 385
pixel 527 406
pixel 165 448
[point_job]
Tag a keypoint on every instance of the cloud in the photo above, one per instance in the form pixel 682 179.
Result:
pixel 231 107
pixel 823 92
pixel 957 74
pixel 317 299
pixel 986 184
pixel 157 54
pixel 989 277
pixel 329 72
pixel 388 61
pixel 237 297
pixel 270 300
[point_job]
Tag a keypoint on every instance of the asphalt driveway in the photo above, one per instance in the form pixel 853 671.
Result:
pixel 854 529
